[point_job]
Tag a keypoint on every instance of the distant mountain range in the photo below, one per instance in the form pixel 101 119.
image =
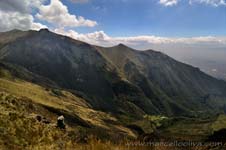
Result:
pixel 117 79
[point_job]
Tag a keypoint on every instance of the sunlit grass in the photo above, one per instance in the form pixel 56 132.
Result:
pixel 220 123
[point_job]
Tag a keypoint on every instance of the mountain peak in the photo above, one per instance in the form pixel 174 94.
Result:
pixel 121 45
pixel 44 30
pixel 146 79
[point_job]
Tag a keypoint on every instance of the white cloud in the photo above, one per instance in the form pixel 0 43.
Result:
pixel 168 2
pixel 215 3
pixel 24 6
pixel 57 13
pixel 37 26
pixel 15 14
pixel 209 2
pixel 97 38
pixel 17 20
pixel 102 39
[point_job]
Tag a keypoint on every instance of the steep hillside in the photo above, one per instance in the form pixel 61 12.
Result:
pixel 119 79
pixel 167 82
pixel 21 102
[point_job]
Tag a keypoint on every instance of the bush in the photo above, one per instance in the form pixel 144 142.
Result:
pixel 57 92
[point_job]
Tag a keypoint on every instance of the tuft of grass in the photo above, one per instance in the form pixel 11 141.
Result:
pixel 5 74
pixel 156 120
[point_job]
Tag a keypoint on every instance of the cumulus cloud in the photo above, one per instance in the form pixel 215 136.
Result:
pixel 102 39
pixel 96 38
pixel 168 2
pixel 209 2
pixel 37 26
pixel 57 13
pixel 19 6
pixel 15 14
pixel 17 20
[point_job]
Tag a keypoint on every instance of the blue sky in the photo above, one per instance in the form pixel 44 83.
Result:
pixel 183 29
pixel 149 17
pixel 137 23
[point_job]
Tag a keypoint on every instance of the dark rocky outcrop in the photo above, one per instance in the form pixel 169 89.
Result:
pixel 218 136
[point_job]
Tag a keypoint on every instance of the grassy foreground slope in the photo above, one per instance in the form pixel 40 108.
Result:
pixel 22 101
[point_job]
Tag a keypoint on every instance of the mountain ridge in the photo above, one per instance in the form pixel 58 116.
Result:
pixel 116 79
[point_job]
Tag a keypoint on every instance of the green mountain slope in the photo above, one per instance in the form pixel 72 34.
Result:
pixel 167 82
pixel 119 79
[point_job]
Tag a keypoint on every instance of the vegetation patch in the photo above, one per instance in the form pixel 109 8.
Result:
pixel 57 92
